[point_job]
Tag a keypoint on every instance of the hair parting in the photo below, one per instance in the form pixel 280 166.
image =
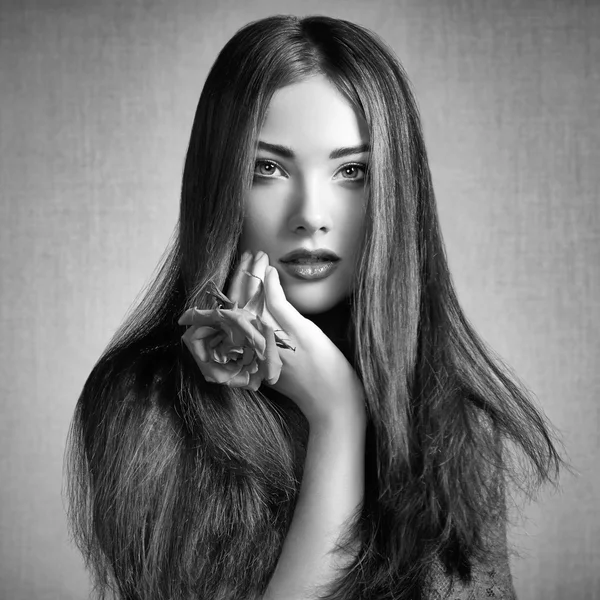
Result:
pixel 180 488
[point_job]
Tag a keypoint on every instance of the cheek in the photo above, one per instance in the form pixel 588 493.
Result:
pixel 351 222
pixel 262 226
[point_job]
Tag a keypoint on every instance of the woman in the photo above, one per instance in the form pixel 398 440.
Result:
pixel 357 444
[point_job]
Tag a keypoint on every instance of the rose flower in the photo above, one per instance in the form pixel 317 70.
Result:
pixel 233 346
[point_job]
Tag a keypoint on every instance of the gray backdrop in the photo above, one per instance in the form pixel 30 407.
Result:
pixel 96 107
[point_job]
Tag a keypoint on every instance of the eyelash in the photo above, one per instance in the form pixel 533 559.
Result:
pixel 264 161
pixel 361 166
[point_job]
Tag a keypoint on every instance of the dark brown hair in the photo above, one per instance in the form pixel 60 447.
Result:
pixel 180 488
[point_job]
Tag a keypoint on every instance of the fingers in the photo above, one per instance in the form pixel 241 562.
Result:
pixel 242 287
pixel 258 268
pixel 273 364
pixel 237 287
pixel 281 310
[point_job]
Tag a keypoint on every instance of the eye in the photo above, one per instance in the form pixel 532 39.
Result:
pixel 352 172
pixel 267 169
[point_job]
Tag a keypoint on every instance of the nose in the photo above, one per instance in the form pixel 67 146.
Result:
pixel 310 212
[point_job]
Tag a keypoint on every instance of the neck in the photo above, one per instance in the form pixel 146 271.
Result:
pixel 336 324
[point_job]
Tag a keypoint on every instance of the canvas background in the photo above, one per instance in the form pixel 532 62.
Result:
pixel 97 100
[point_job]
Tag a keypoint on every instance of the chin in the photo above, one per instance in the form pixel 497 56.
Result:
pixel 309 300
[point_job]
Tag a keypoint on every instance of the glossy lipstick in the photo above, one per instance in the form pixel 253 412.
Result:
pixel 310 264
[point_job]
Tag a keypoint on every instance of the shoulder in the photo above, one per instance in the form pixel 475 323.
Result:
pixel 490 579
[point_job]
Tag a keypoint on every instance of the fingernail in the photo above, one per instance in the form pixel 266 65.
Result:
pixel 259 255
pixel 245 256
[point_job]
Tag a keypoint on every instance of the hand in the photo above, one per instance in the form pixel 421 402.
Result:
pixel 316 376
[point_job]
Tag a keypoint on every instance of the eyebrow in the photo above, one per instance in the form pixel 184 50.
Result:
pixel 286 152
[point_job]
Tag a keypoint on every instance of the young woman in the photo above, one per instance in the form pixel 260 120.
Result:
pixel 298 408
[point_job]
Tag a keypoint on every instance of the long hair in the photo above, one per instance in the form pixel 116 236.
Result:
pixel 181 488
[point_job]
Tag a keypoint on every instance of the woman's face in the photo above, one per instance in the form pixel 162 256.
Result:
pixel 309 193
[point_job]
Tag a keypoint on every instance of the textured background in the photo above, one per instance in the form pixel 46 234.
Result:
pixel 97 100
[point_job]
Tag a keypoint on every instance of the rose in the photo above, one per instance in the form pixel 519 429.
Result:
pixel 233 346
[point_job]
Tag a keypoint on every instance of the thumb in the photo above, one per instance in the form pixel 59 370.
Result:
pixel 281 310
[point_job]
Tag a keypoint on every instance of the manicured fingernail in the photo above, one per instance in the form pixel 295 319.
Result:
pixel 245 256
pixel 259 255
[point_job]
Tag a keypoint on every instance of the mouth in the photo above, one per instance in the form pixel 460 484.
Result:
pixel 312 271
pixel 305 257
pixel 310 264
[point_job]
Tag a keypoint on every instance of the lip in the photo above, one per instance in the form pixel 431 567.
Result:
pixel 312 271
pixel 308 257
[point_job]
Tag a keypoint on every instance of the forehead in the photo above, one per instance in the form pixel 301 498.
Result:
pixel 312 116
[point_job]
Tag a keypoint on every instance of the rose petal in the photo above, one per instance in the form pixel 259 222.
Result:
pixel 220 373
pixel 204 331
pixel 220 358
pixel 196 346
pixel 240 380
pixel 195 316
pixel 229 331
pixel 200 348
pixel 216 340
pixel 225 354
pixel 242 319
pixel 271 367
pixel 232 346
pixel 225 350
pixel 253 367
pixel 232 332
pixel 238 337
pixel 240 325
pixel 254 382
pixel 248 356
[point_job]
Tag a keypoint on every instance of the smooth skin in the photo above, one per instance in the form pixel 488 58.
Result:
pixel 316 375
pixel 309 200
pixel 310 203
pixel 319 379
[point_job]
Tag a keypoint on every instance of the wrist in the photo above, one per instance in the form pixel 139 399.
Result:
pixel 347 423
pixel 327 406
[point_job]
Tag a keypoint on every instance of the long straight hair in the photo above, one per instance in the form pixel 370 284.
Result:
pixel 181 488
